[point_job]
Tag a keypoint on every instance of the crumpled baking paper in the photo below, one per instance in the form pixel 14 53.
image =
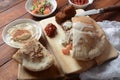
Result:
pixel 111 69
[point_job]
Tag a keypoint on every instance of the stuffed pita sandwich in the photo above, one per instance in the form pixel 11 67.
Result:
pixel 34 56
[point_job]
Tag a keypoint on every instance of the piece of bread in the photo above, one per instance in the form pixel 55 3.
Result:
pixel 34 56
pixel 18 56
pixel 89 40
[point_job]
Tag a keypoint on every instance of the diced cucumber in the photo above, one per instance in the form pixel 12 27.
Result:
pixel 42 10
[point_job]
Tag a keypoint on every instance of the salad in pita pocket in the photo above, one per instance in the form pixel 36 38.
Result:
pixel 34 56
pixel 85 40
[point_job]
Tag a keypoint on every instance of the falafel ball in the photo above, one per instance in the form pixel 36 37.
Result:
pixel 69 11
pixel 60 17
pixel 65 14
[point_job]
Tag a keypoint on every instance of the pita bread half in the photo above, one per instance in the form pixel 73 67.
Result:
pixel 89 39
pixel 34 56
pixel 18 56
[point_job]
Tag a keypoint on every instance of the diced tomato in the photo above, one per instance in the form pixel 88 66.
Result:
pixel 35 11
pixel 46 11
pixel 67 49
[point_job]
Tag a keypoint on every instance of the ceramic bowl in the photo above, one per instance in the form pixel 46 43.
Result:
pixel 29 4
pixel 82 6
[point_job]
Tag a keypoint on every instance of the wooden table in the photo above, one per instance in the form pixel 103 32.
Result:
pixel 11 10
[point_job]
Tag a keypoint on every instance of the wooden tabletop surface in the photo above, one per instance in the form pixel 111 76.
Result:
pixel 11 10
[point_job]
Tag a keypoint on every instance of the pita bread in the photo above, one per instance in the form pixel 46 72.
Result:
pixel 34 56
pixel 88 38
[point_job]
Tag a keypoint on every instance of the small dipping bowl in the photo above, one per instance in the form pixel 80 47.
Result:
pixel 80 4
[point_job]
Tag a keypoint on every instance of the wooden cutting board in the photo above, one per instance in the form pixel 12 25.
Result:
pixel 65 64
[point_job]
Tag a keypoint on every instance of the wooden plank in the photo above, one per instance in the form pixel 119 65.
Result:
pixel 100 4
pixel 6 53
pixel 91 6
pixel 9 71
pixel 6 4
pixel 61 3
pixel 1 40
pixel 12 14
pixel 117 17
pixel 110 15
pixel 28 15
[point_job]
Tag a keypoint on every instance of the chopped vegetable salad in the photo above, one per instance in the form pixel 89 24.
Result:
pixel 41 7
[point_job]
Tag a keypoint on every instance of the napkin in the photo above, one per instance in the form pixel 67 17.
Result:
pixel 110 69
pixel 112 30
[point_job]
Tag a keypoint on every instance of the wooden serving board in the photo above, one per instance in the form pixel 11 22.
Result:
pixel 64 64
pixel 67 63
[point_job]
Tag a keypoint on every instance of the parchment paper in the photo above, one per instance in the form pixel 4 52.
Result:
pixel 111 69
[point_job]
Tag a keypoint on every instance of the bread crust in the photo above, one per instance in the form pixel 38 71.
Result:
pixel 93 40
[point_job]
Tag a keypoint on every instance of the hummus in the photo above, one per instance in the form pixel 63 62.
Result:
pixel 19 34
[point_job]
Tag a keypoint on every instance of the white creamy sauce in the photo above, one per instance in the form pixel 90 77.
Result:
pixel 79 26
pixel 22 26
pixel 67 25
pixel 78 34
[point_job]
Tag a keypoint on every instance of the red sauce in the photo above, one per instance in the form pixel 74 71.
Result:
pixel 50 30
pixel 80 2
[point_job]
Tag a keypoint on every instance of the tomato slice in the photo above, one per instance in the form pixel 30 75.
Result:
pixel 67 49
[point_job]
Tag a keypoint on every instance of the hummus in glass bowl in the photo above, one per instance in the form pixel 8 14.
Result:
pixel 18 32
